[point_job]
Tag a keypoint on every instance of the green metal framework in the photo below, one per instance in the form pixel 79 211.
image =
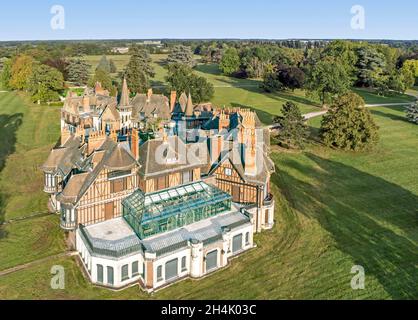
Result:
pixel 174 208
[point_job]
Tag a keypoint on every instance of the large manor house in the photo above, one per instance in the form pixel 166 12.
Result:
pixel 151 190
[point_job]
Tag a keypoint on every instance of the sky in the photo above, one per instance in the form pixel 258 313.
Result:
pixel 184 19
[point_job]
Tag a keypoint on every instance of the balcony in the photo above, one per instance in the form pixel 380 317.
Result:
pixel 269 200
pixel 48 189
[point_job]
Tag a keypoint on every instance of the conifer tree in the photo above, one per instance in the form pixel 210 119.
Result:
pixel 182 55
pixel 78 71
pixel 412 113
pixel 139 71
pixel 293 131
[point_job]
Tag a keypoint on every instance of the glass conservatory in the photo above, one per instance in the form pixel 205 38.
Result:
pixel 166 210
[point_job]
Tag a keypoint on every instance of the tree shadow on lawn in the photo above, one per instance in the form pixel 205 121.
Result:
pixel 209 68
pixel 391 116
pixel 9 124
pixel 356 208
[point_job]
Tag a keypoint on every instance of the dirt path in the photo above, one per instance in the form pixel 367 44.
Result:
pixel 36 262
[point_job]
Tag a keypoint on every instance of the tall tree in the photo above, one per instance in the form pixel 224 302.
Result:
pixel 183 55
pixel 102 76
pixel 21 71
pixel 371 66
pixel 291 77
pixel 78 71
pixel 349 125
pixel 104 64
pixel 230 62
pixel 327 79
pixel 182 79
pixel 45 83
pixel 293 131
pixel 6 74
pixel 139 70
pixel 60 64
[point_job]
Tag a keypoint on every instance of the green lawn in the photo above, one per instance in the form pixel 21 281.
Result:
pixel 27 133
pixel 334 210
pixel 370 97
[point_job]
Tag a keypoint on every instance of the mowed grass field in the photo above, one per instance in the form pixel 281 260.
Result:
pixel 334 210
pixel 247 93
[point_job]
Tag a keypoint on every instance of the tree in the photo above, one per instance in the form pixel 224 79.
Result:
pixel 139 70
pixel 230 62
pixel 371 65
pixel 349 125
pixel 104 64
pixel 182 79
pixel 45 83
pixel 412 65
pixel 293 131
pixel 60 64
pixel 271 82
pixel 291 77
pixel 328 78
pixel 6 74
pixel 102 76
pixel 183 55
pixel 113 68
pixel 21 71
pixel 78 71
pixel 412 113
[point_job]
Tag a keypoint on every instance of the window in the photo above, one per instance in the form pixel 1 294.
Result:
pixel 135 269
pixel 159 273
pixel 247 238
pixel 187 177
pixel 237 243
pixel 183 264
pixel 171 269
pixel 99 273
pixel 125 272
pixel 228 171
pixel 118 185
pixel 212 260
pixel 110 278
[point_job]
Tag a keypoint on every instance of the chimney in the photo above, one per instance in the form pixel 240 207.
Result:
pixel 149 95
pixel 216 148
pixel 113 136
pixel 135 143
pixel 250 166
pixel 86 103
pixel 173 97
pixel 223 120
pixel 96 139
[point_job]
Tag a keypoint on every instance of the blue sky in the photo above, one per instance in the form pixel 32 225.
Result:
pixel 273 19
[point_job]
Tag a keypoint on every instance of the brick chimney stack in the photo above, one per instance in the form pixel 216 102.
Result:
pixel 149 95
pixel 135 143
pixel 173 97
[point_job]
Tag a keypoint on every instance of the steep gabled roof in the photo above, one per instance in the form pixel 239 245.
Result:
pixel 158 157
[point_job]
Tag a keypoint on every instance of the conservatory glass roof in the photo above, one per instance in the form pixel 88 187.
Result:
pixel 173 208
